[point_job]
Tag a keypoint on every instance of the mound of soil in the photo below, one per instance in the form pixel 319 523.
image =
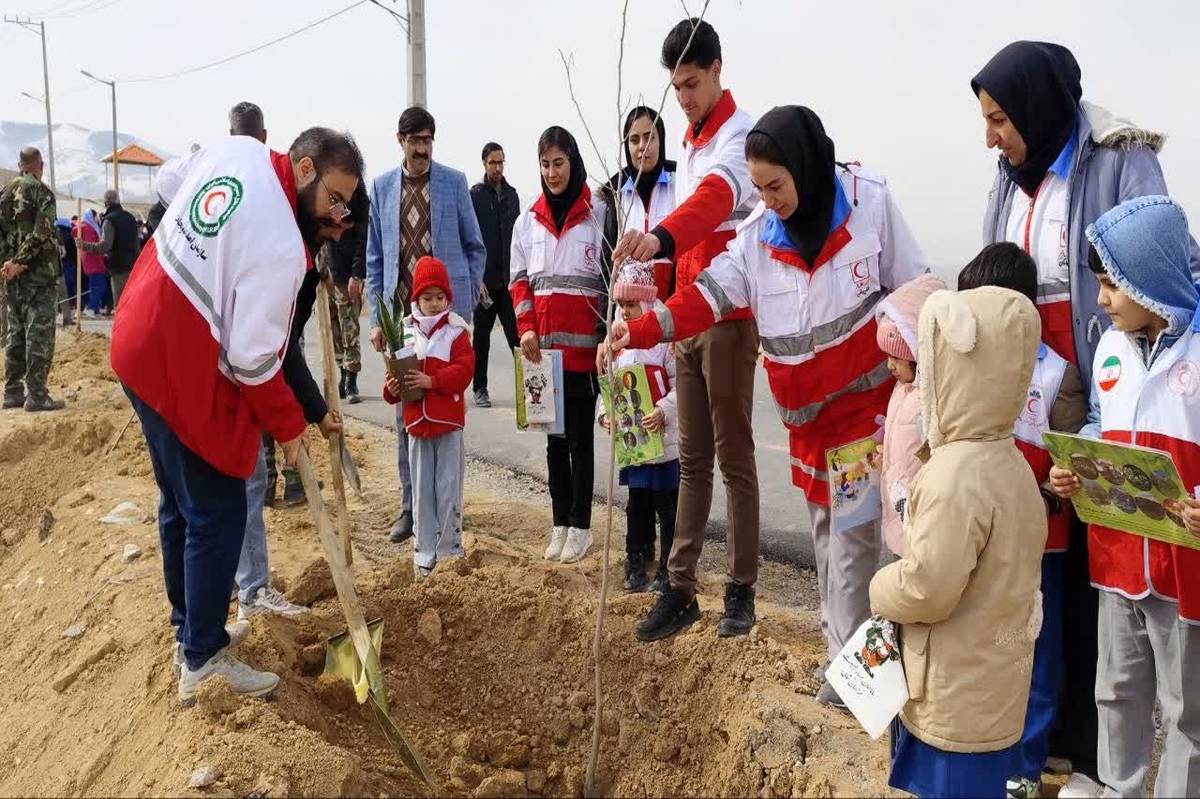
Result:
pixel 487 663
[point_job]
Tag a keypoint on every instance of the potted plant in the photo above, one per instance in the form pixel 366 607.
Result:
pixel 400 356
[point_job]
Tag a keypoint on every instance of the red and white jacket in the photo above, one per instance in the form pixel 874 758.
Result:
pixel 1034 420
pixel 557 282
pixel 817 324
pixel 203 321
pixel 447 357
pixel 1158 407
pixel 713 192
pixel 662 203
pixel 659 363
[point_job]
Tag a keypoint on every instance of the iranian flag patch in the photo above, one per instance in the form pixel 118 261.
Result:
pixel 1110 373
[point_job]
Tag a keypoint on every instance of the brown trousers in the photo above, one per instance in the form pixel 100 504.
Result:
pixel 714 384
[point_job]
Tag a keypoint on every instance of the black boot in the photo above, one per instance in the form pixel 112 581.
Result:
pixel 661 580
pixel 342 385
pixel 352 388
pixel 269 498
pixel 739 611
pixel 673 611
pixel 402 528
pixel 14 400
pixel 635 572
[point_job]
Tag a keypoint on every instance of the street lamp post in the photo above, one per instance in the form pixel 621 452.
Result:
pixel 112 84
pixel 40 29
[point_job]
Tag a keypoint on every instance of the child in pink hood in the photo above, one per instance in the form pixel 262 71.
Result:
pixel 896 335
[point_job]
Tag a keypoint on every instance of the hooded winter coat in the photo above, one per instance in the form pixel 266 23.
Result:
pixel 966 590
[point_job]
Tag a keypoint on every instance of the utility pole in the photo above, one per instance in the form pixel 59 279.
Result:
pixel 40 29
pixel 112 84
pixel 416 53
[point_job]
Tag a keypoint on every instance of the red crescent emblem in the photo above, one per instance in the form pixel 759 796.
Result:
pixel 213 195
pixel 860 270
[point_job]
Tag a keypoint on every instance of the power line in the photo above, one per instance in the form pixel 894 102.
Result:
pixel 263 46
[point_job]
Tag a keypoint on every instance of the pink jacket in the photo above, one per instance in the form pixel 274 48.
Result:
pixel 92 262
pixel 902 437
pixel 902 433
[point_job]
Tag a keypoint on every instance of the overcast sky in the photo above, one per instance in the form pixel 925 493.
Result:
pixel 889 79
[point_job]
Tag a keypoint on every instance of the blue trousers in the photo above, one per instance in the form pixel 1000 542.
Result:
pixel 1047 672
pixel 201 523
pixel 97 290
pixel 253 570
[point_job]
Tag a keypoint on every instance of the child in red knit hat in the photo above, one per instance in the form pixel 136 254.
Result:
pixel 434 423
pixel 653 486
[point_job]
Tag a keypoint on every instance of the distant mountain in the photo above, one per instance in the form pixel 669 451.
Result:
pixel 77 153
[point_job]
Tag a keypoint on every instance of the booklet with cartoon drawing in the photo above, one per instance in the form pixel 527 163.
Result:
pixel 540 392
pixel 1133 489
pixel 854 479
pixel 869 676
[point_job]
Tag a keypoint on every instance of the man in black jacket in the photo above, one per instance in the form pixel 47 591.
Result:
pixel 118 243
pixel 497 208
pixel 345 261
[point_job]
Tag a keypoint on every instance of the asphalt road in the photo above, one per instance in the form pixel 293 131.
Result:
pixel 492 435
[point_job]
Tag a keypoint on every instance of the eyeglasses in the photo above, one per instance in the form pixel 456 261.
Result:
pixel 338 209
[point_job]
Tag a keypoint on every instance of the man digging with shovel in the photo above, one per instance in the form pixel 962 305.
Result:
pixel 198 343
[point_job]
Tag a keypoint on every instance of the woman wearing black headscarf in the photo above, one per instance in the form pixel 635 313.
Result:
pixel 813 260
pixel 642 194
pixel 1063 163
pixel 557 286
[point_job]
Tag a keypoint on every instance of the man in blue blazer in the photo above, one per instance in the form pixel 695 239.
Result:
pixel 419 208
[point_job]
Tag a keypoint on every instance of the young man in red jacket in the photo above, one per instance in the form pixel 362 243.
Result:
pixel 434 422
pixel 714 370
pixel 198 342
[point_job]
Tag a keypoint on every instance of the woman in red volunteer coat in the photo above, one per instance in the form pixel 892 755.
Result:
pixel 557 288
pixel 812 262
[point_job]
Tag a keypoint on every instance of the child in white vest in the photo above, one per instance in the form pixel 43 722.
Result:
pixel 434 423
pixel 653 486
pixel 1146 391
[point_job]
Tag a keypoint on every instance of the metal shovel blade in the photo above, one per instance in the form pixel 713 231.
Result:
pixel 350 468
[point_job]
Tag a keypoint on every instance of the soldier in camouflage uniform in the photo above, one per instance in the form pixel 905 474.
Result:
pixel 30 267
pixel 345 263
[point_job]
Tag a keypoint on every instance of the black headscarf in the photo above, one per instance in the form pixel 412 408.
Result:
pixel 645 183
pixel 561 204
pixel 1037 85
pixel 799 136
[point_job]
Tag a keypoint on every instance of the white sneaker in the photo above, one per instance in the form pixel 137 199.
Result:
pixel 578 543
pixel 242 679
pixel 268 600
pixel 1081 786
pixel 558 537
pixel 421 572
pixel 237 633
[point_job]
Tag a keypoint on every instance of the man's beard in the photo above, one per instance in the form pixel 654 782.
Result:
pixel 307 219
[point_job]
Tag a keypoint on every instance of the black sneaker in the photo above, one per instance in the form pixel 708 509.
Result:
pixel 342 384
pixel 635 573
pixel 43 403
pixel 661 580
pixel 673 611
pixel 269 497
pixel 14 401
pixel 739 611
pixel 352 388
pixel 482 400
pixel 293 493
pixel 402 528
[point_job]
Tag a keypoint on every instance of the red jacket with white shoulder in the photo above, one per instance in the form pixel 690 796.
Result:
pixel 1157 407
pixel 713 192
pixel 816 323
pixel 557 283
pixel 447 357
pixel 203 322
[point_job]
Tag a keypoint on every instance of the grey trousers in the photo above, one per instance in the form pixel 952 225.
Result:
pixel 437 465
pixel 846 562
pixel 406 493
pixel 1147 651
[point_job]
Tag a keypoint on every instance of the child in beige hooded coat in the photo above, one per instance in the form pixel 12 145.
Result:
pixel 965 591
